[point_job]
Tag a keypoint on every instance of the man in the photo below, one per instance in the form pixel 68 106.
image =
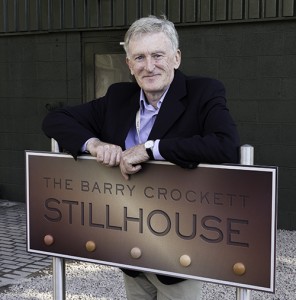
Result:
pixel 164 115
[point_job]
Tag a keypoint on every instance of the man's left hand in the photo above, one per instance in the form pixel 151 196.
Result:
pixel 131 160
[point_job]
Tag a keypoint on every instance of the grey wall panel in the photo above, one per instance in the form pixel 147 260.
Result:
pixel 34 14
pixel 22 21
pixel 11 21
pixel 133 10
pixel 205 10
pixel 19 16
pixel 160 7
pixel 3 16
pixel 254 9
pixel 44 15
pixel 81 13
pixel 271 9
pixel 221 10
pixel 105 13
pixel 237 9
pixel 119 9
pixel 288 8
pixel 189 11
pixel 93 16
pixel 68 15
pixel 174 11
pixel 55 13
pixel 145 7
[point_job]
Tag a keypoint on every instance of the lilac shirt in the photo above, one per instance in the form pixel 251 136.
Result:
pixel 147 118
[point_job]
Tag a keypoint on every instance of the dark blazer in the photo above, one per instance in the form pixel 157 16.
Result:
pixel 193 125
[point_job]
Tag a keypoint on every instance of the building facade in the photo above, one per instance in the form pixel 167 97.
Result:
pixel 63 52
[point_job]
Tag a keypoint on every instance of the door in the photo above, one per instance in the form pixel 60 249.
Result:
pixel 103 63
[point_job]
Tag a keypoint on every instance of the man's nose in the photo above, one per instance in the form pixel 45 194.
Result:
pixel 149 64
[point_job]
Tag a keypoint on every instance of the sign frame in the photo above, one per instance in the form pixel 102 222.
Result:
pixel 273 220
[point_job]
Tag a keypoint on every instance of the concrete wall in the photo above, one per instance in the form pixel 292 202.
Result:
pixel 35 70
pixel 256 62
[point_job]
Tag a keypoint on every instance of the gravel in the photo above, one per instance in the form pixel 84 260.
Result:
pixel 93 282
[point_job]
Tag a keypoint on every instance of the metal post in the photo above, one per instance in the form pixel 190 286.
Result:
pixel 54 146
pixel 243 294
pixel 58 270
pixel 246 158
pixel 58 264
pixel 247 155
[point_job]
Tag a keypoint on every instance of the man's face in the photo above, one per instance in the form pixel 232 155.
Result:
pixel 152 61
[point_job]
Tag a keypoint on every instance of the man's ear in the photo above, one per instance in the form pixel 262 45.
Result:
pixel 177 59
pixel 128 62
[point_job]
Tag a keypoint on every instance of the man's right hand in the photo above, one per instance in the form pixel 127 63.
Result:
pixel 106 154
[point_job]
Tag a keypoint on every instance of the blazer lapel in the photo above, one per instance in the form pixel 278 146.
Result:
pixel 172 107
pixel 127 117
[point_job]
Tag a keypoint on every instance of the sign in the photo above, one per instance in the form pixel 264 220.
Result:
pixel 215 223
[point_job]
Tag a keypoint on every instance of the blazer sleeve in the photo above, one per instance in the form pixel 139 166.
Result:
pixel 214 138
pixel 71 127
pixel 107 118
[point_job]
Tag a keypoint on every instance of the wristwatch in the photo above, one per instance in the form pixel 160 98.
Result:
pixel 149 147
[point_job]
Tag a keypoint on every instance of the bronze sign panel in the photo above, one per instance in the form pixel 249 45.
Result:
pixel 215 223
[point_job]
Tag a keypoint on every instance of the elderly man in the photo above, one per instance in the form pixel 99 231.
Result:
pixel 163 115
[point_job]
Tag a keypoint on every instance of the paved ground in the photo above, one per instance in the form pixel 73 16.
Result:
pixel 15 262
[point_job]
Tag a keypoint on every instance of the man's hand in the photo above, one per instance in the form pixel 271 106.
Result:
pixel 131 160
pixel 106 154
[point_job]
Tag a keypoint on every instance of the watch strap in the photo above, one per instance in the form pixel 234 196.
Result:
pixel 150 153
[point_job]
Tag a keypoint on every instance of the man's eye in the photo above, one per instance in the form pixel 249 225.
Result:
pixel 139 58
pixel 157 56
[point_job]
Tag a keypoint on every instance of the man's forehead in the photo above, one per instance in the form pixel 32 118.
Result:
pixel 150 42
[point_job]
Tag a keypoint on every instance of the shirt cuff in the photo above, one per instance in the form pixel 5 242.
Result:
pixel 156 153
pixel 83 148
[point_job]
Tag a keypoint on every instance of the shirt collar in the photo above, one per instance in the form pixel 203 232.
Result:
pixel 145 105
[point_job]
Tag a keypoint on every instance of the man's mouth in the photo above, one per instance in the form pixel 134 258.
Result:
pixel 150 76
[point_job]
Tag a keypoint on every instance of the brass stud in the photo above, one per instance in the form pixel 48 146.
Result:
pixel 48 240
pixel 185 260
pixel 90 246
pixel 239 268
pixel 136 253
